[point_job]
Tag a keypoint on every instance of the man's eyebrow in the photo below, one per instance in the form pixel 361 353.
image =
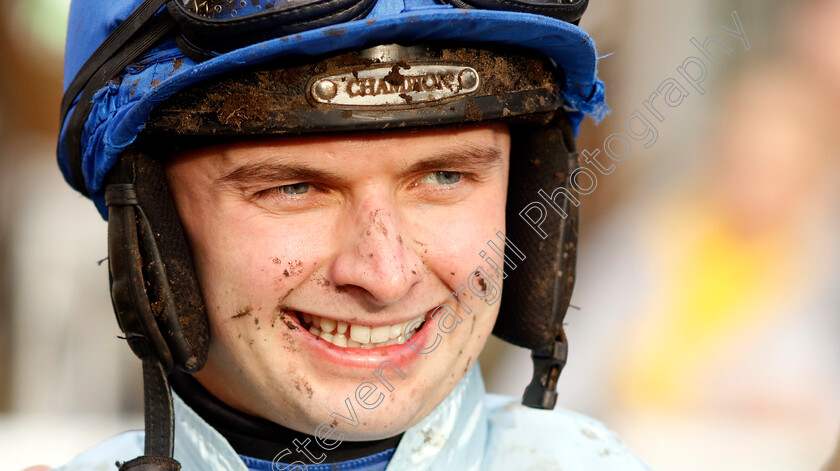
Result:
pixel 460 157
pixel 264 172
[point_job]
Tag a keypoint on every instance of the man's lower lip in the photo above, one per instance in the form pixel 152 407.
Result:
pixel 400 354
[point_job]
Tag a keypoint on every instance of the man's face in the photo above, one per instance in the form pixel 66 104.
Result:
pixel 368 230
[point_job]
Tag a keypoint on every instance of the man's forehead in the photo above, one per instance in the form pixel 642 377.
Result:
pixel 288 166
pixel 474 147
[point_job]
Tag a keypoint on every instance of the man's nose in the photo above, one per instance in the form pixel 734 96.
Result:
pixel 375 255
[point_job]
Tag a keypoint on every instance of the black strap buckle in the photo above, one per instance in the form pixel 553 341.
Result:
pixel 541 393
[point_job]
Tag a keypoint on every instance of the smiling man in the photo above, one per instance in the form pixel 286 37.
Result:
pixel 313 207
pixel 312 267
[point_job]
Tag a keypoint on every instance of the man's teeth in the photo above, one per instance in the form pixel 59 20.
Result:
pixel 342 334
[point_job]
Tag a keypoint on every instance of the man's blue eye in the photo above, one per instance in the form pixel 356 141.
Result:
pixel 442 178
pixel 295 188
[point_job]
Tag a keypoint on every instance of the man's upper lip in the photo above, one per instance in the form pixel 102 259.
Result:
pixel 379 322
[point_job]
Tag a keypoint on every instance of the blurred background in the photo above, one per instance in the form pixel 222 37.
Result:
pixel 706 327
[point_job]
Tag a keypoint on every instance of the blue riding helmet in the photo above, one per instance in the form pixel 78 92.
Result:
pixel 120 109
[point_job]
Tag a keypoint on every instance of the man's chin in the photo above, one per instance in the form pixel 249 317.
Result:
pixel 378 425
pixel 364 425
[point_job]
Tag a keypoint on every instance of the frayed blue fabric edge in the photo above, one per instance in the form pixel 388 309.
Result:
pixel 382 458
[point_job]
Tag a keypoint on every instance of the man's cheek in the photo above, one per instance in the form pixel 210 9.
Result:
pixel 462 238
pixel 269 256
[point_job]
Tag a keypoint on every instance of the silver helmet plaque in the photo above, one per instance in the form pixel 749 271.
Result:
pixel 395 85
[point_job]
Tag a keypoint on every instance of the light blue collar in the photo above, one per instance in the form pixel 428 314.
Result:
pixel 453 436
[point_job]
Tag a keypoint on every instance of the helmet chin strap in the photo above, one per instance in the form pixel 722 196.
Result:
pixel 136 318
pixel 541 393
pixel 159 419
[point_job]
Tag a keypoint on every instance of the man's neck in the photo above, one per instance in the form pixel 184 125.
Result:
pixel 260 438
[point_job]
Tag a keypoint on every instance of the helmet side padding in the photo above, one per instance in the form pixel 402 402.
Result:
pixel 537 292
pixel 164 263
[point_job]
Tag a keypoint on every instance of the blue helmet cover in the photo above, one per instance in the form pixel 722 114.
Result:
pixel 122 107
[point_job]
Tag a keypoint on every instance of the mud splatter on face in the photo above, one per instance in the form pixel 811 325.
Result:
pixel 278 314
pixel 481 282
pixel 301 385
pixel 377 224
pixel 295 268
pixel 308 388
pixel 322 281
pixel 289 345
pixel 246 311
pixel 276 261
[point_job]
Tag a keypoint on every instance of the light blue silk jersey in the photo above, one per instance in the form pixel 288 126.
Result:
pixel 469 430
